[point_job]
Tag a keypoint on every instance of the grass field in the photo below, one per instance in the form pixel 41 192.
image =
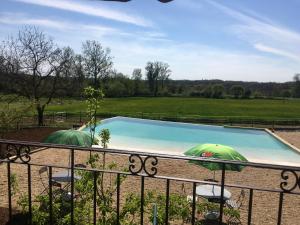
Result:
pixel 184 107
pixel 190 107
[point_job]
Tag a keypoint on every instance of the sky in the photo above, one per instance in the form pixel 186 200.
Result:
pixel 248 40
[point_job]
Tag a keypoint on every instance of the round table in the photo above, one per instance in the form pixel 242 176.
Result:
pixel 64 176
pixel 212 192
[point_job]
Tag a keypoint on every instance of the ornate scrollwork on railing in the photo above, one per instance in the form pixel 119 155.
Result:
pixel 291 180
pixel 14 152
pixel 139 164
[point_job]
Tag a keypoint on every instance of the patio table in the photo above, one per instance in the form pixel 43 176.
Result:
pixel 64 176
pixel 212 192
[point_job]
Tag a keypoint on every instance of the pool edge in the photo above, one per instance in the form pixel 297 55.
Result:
pixel 294 148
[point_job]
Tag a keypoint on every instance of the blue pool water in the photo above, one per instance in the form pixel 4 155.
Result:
pixel 176 138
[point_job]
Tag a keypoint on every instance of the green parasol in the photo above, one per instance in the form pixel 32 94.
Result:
pixel 215 151
pixel 70 137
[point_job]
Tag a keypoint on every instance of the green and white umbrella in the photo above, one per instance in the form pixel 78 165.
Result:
pixel 216 151
pixel 70 137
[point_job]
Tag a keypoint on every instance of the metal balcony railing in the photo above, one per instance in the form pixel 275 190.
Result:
pixel 143 166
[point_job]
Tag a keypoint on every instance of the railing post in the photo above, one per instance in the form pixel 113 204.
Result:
pixel 9 191
pixel 29 193
pixel 222 193
pixel 95 198
pixel 194 203
pixel 50 196
pixel 142 199
pixel 280 208
pixel 72 186
pixel 167 202
pixel 118 199
pixel 250 207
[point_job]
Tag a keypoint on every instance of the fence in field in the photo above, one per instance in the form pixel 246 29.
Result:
pixel 65 119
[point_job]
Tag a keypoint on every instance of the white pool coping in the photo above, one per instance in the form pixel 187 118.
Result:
pixel 297 150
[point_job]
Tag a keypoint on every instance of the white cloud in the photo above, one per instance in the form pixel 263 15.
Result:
pixel 92 9
pixel 62 25
pixel 259 29
pixel 93 30
pixel 16 20
pixel 277 51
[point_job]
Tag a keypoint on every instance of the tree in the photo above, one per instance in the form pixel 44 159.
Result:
pixel 137 77
pixel 79 75
pixel 97 61
pixel 9 56
pixel 247 93
pixel 207 92
pixel 297 86
pixel 218 91
pixel 165 73
pixel 38 65
pixel 237 91
pixel 286 93
pixel 156 71
pixel 65 80
pixel 94 98
pixel 152 76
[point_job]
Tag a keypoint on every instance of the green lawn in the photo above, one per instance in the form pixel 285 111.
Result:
pixel 190 107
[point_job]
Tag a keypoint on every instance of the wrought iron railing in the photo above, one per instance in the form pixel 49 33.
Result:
pixel 143 165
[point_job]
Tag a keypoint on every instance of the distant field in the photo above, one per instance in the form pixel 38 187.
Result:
pixel 190 107
pixel 185 107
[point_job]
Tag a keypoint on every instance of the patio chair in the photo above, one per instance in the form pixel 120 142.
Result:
pixel 42 170
pixel 230 203
pixel 189 198
pixel 236 205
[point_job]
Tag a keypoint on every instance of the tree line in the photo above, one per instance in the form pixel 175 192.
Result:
pixel 33 66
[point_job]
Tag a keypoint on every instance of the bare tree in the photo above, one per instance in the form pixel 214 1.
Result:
pixel 156 71
pixel 152 77
pixel 297 85
pixel 165 73
pixel 39 65
pixel 79 74
pixel 9 58
pixel 97 60
pixel 137 77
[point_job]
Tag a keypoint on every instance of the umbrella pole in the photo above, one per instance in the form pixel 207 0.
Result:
pixel 214 181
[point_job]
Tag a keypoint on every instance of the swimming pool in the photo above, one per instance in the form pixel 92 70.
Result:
pixel 175 138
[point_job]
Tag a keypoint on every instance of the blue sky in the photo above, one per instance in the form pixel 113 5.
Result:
pixel 250 40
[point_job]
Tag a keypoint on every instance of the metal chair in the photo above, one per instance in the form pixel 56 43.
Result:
pixel 235 205
pixel 42 170
pixel 230 203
